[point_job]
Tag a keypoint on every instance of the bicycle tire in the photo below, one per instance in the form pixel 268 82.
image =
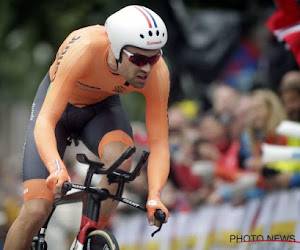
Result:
pixel 101 240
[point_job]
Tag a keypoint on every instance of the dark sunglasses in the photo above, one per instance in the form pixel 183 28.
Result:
pixel 141 60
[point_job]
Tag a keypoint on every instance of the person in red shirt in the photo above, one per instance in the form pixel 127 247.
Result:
pixel 79 98
pixel 284 25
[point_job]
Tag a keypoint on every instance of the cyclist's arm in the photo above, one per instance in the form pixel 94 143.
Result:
pixel 68 68
pixel 156 95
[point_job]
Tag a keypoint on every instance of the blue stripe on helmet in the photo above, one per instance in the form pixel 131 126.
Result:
pixel 151 17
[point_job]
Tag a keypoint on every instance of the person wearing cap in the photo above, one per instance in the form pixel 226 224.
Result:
pixel 79 99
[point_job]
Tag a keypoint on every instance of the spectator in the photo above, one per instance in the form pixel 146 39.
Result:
pixel 182 135
pixel 217 147
pixel 283 25
pixel 290 94
pixel 265 115
pixel 223 99
pixel 238 125
pixel 263 108
pixel 287 174
pixel 240 112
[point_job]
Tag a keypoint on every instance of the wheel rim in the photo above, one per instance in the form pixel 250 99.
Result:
pixel 101 238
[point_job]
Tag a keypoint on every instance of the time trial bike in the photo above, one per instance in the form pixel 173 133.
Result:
pixel 90 237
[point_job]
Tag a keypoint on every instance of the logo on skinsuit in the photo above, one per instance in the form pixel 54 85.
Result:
pixel 60 57
pixel 32 112
pixel 119 89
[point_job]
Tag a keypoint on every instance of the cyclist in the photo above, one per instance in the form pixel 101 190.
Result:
pixel 79 98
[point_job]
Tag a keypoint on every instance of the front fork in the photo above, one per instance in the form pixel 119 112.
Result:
pixel 87 225
pixel 76 245
pixel 89 220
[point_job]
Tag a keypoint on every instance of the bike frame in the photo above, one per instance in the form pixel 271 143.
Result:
pixel 92 197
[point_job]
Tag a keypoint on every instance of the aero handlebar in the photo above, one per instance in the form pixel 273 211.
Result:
pixel 114 175
pixel 82 158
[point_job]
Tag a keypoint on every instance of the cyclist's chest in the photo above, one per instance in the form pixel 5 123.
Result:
pixel 97 78
pixel 96 86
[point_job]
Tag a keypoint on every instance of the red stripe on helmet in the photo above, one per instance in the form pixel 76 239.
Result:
pixel 148 20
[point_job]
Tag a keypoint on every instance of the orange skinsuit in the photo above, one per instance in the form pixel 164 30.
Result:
pixel 80 76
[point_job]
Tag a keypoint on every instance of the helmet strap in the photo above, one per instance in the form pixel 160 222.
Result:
pixel 120 58
pixel 110 67
pixel 114 69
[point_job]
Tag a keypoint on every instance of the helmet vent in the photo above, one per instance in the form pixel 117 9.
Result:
pixel 150 33
pixel 141 35
pixel 157 33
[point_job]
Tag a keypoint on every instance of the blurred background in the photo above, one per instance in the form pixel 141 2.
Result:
pixel 230 89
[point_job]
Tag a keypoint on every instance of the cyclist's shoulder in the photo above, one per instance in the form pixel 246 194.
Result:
pixel 93 36
pixel 91 32
pixel 160 74
pixel 158 84
pixel 162 66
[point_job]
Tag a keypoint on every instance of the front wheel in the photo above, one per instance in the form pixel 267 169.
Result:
pixel 100 240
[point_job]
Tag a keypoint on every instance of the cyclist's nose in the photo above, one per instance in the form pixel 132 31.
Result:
pixel 146 68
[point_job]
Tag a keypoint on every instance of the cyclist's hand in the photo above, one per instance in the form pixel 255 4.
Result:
pixel 153 204
pixel 56 179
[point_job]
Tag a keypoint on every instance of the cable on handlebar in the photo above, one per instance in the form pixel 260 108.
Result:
pixel 160 216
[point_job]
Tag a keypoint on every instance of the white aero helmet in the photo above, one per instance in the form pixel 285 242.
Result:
pixel 136 26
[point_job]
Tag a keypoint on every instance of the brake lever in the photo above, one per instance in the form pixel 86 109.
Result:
pixel 160 216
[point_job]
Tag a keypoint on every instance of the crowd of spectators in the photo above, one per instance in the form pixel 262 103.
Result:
pixel 216 154
pixel 216 149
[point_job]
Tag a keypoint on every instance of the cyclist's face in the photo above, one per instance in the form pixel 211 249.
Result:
pixel 136 75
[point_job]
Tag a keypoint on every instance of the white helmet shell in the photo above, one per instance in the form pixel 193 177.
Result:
pixel 136 26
